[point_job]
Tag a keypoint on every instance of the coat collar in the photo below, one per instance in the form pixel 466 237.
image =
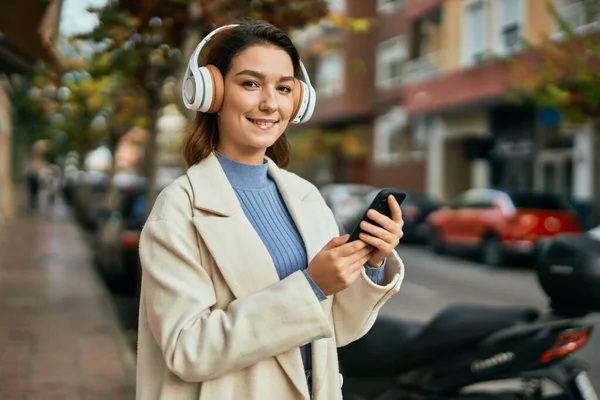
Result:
pixel 221 198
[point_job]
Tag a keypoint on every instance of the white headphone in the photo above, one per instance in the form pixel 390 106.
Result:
pixel 203 87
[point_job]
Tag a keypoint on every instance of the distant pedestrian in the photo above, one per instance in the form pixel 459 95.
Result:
pixel 33 177
pixel 247 289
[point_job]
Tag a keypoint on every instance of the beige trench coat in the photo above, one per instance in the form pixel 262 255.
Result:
pixel 216 322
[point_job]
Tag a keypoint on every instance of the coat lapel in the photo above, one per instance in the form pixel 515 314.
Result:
pixel 236 247
pixel 302 210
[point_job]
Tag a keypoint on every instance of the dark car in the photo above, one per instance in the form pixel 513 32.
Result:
pixel 116 240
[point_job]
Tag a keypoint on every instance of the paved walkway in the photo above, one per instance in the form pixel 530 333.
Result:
pixel 59 336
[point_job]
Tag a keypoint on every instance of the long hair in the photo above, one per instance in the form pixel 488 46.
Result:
pixel 203 136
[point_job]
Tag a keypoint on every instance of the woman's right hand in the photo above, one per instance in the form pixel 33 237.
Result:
pixel 338 264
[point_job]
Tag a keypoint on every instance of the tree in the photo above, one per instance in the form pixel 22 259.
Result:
pixel 283 13
pixel 286 15
pixel 562 74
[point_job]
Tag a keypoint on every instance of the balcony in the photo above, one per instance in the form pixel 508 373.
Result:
pixel 422 68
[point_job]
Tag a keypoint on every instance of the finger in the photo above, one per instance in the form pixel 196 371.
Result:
pixel 379 244
pixel 336 242
pixel 360 263
pixel 377 231
pixel 395 208
pixel 350 248
pixel 385 222
pixel 362 253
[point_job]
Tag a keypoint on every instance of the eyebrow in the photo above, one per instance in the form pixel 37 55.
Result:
pixel 260 75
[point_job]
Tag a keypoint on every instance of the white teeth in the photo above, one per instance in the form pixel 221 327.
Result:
pixel 264 125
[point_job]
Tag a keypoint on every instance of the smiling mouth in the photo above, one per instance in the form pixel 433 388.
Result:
pixel 264 124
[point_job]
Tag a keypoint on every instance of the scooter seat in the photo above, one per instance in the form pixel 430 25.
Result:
pixel 393 346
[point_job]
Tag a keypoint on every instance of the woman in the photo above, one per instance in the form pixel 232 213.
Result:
pixel 247 289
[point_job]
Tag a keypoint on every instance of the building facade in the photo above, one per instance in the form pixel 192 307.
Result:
pixel 425 83
pixel 358 79
pixel 476 137
pixel 27 33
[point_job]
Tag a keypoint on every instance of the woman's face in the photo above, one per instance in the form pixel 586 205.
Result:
pixel 258 103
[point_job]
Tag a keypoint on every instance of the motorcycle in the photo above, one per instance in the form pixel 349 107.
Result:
pixel 465 345
pixel 471 352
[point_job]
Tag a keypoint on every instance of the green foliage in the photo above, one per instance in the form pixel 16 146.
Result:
pixel 314 144
pixel 284 14
pixel 100 95
pixel 29 116
pixel 562 73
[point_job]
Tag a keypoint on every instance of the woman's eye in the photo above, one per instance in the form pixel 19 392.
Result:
pixel 285 89
pixel 250 84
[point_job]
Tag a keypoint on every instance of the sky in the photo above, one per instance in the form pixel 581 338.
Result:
pixel 74 17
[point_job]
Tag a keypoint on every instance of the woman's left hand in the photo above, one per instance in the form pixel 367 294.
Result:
pixel 383 238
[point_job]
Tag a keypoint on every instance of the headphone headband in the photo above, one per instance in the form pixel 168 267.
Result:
pixel 193 63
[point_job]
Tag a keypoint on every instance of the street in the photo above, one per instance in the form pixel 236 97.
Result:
pixel 432 282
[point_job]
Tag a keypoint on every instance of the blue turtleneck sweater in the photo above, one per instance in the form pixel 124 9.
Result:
pixel 265 209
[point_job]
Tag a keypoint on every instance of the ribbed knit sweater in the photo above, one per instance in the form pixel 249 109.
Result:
pixel 265 209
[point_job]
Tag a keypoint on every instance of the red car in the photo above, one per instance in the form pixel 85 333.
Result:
pixel 498 223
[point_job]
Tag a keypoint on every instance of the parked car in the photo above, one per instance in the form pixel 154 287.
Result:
pixel 117 243
pixel 88 192
pixel 498 224
pixel 346 202
pixel 415 210
pixel 114 242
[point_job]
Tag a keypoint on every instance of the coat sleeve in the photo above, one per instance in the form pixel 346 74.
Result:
pixel 199 342
pixel 355 309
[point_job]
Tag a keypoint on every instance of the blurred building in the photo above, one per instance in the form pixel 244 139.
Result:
pixel 358 78
pixel 27 33
pixel 425 81
pixel 476 137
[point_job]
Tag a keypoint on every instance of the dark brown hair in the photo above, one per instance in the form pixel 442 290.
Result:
pixel 203 136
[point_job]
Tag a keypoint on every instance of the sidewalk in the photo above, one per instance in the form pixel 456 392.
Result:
pixel 59 336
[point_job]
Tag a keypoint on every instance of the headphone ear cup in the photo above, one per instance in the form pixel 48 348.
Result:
pixel 218 87
pixel 298 94
pixel 189 91
pixel 304 102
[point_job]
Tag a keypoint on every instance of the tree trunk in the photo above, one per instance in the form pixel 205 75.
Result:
pixel 152 148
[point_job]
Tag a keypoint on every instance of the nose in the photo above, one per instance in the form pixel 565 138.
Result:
pixel 268 101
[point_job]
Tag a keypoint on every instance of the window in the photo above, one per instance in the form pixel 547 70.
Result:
pixel 422 127
pixel 387 136
pixel 474 198
pixel 389 6
pixel 509 23
pixel 337 6
pixel 474 32
pixel 390 56
pixel 330 74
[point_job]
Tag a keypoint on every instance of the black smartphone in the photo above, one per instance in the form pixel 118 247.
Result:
pixel 379 203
